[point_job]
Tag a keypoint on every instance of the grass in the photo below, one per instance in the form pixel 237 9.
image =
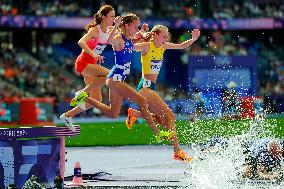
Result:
pixel 116 134
pixel 111 134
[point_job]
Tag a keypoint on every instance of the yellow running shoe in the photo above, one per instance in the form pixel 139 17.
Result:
pixel 79 99
pixel 164 135
pixel 181 156
pixel 130 119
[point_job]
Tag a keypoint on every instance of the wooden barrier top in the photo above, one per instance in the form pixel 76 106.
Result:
pixel 36 132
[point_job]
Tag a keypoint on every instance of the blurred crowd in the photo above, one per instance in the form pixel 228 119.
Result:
pixel 29 76
pixel 201 8
pixel 66 8
pixel 175 9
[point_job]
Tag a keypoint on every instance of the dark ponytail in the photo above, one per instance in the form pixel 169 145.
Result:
pixel 98 17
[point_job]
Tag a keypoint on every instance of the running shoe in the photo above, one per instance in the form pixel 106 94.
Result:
pixel 181 156
pixel 79 98
pixel 68 122
pixel 164 135
pixel 130 119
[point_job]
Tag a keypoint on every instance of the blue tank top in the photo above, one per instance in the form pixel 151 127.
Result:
pixel 260 152
pixel 122 61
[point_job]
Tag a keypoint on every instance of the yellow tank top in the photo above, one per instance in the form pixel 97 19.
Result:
pixel 152 61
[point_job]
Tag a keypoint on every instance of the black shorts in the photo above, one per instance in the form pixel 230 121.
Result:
pixel 140 85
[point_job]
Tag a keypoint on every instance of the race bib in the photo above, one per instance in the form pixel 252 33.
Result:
pixel 117 77
pixel 146 83
pixel 99 48
pixel 127 68
pixel 156 66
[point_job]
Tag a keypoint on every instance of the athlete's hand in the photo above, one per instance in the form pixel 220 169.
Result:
pixel 99 58
pixel 117 21
pixel 138 35
pixel 147 35
pixel 118 45
pixel 195 34
pixel 144 27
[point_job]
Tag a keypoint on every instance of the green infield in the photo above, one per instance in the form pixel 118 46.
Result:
pixel 116 134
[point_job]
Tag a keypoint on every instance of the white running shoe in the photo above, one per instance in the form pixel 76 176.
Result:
pixel 68 121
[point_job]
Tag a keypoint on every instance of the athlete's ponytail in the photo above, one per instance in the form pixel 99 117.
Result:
pixel 98 17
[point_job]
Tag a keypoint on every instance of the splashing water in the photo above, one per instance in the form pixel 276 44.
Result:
pixel 219 166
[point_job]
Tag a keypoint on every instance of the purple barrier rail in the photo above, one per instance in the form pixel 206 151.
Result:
pixel 35 132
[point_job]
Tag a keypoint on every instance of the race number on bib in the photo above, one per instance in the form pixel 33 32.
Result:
pixel 117 77
pixel 146 83
pixel 127 68
pixel 99 48
pixel 156 66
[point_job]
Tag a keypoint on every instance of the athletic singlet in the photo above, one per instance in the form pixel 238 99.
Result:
pixel 101 41
pixel 97 44
pixel 122 61
pixel 152 61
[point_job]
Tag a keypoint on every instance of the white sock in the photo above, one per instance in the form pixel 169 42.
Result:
pixel 82 106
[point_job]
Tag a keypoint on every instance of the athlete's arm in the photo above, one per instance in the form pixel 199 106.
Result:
pixel 117 21
pixel 143 47
pixel 195 35
pixel 139 36
pixel 92 33
pixel 264 175
pixel 118 43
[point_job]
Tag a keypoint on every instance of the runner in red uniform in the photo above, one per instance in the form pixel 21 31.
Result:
pixel 88 62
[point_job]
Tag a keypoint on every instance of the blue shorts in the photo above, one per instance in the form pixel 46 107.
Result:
pixel 144 83
pixel 117 74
